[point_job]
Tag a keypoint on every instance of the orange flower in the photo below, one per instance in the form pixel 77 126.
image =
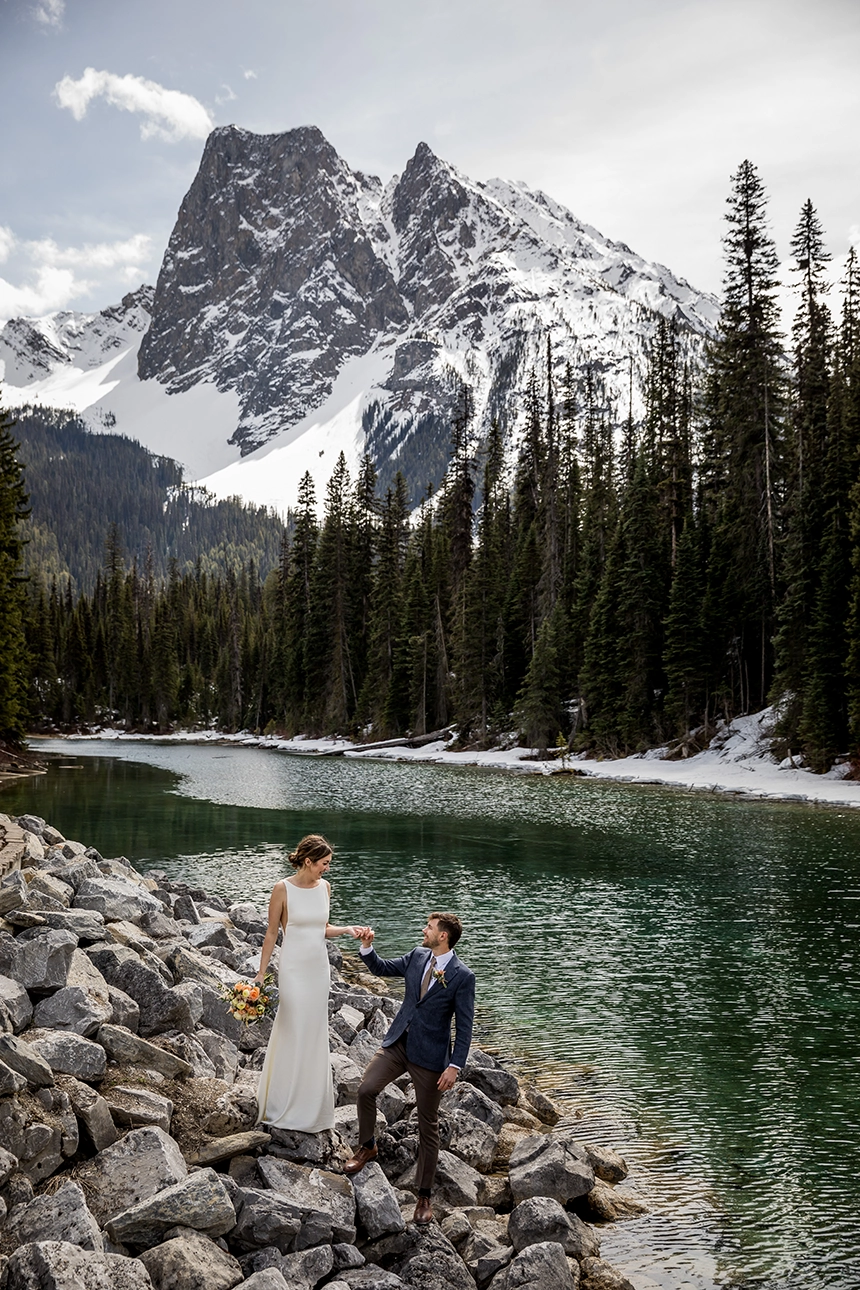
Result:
pixel 254 995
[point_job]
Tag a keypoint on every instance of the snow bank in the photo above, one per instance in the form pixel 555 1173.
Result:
pixel 738 762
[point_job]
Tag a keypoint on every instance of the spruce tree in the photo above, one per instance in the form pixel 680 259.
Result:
pixel 743 408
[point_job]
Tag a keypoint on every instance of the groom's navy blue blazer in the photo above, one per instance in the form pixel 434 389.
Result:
pixel 427 1022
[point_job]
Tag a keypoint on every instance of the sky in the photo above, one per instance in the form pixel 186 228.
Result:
pixel 632 113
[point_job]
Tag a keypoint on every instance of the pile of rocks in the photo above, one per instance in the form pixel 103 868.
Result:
pixel 129 1153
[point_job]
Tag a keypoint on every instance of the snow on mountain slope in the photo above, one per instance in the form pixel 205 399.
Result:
pixel 302 308
pixel 88 363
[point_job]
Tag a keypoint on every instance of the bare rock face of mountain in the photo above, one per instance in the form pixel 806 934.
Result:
pixel 270 280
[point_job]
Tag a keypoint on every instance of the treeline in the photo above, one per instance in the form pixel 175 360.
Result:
pixel 82 484
pixel 628 585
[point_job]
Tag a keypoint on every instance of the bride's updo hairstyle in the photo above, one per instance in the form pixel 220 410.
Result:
pixel 313 847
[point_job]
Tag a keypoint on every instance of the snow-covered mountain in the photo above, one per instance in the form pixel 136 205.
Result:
pixel 303 308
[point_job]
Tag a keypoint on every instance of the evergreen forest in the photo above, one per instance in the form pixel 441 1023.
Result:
pixel 627 584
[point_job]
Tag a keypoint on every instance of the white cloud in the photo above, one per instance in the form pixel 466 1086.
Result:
pixel 248 74
pixel 168 114
pixel 7 242
pixel 51 289
pixel 49 12
pixel 54 276
pixel 99 255
pixel 227 97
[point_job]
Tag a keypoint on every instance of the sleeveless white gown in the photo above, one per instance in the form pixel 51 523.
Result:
pixel 295 1089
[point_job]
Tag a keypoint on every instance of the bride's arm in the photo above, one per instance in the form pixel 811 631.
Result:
pixel 277 903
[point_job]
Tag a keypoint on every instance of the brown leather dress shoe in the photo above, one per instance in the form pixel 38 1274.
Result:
pixel 423 1211
pixel 360 1159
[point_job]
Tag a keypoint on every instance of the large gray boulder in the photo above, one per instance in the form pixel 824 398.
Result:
pixel 552 1165
pixel 114 899
pixel 132 1107
pixel 69 1053
pixel 83 1003
pixel 486 1250
pixel 603 1204
pixel 15 1003
pixel 222 1053
pixel 17 1054
pixel 324 1202
pixel 161 1007
pixel 38 958
pixel 597 1274
pixel 45 884
pixel 369 1278
pixel 491 1078
pixel 10 1081
pixel 301 1270
pixel 538 1267
pixel 8 1165
pixel 63 1216
pixel 347 1077
pixel 540 1219
pixel 265 1218
pixel 130 1050
pixel 212 1153
pixel 187 1260
pixel 201 1201
pixel 466 1097
pixel 607 1164
pixel 188 1050
pixel 270 1279
pixel 59 1265
pixel 74 1009
pixel 377 1205
pixel 94 1114
pixel 38 1146
pixel 471 1139
pixel 86 924
pixel 423 1257
pixel 13 892
pixel 126 1013
pixel 137 1167
pixel 456 1183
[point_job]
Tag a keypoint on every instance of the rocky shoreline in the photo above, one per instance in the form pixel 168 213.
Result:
pixel 129 1154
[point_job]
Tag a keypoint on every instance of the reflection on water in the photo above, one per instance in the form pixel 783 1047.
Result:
pixel 684 968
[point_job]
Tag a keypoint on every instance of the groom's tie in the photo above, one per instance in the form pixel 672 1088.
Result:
pixel 425 980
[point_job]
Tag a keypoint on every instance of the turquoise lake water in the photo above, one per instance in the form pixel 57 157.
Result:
pixel 682 969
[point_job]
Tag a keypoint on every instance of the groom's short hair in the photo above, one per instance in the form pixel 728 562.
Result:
pixel 451 924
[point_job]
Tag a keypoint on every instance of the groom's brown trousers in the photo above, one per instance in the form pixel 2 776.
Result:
pixel 386 1066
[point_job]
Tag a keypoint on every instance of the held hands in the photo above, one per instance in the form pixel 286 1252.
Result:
pixel 447 1079
pixel 363 934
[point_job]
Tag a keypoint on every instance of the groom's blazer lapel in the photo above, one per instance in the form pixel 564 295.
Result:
pixel 451 969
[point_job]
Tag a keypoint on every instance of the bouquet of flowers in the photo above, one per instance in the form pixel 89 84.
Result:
pixel 250 1001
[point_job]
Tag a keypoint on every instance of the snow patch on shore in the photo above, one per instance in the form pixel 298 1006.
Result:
pixel 738 761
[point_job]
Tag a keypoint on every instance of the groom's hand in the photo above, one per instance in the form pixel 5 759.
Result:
pixel 447 1079
pixel 366 935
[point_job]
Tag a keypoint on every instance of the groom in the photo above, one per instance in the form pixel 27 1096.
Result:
pixel 439 989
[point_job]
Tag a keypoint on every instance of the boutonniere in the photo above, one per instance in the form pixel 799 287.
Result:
pixel 438 974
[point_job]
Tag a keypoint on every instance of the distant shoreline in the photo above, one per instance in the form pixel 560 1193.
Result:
pixel 737 763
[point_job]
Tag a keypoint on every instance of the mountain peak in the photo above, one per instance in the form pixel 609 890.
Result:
pixel 323 312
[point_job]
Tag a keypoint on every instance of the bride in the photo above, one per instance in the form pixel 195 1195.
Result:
pixel 295 1089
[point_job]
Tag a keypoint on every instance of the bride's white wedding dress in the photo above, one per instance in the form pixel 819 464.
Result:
pixel 295 1089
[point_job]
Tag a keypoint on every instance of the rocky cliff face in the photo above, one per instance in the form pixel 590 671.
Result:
pixel 270 280
pixel 322 305
pixel 285 263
